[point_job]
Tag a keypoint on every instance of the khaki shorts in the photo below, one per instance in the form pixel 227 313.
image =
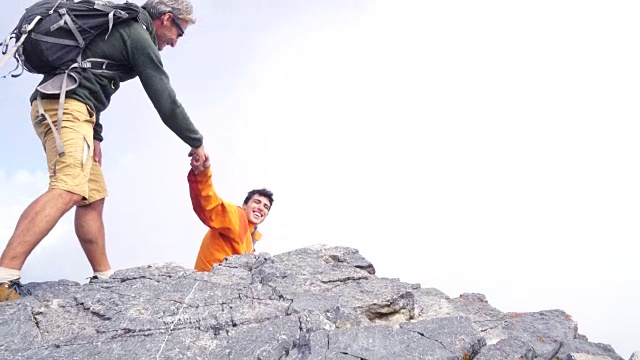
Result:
pixel 74 172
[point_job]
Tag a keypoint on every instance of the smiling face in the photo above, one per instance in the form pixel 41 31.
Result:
pixel 169 29
pixel 257 209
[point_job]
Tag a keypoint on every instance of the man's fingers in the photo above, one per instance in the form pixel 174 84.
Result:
pixel 198 158
pixel 197 151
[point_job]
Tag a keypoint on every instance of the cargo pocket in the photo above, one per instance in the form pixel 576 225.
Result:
pixel 92 115
pixel 87 150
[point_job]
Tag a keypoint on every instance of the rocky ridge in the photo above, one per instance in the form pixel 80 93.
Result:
pixel 312 303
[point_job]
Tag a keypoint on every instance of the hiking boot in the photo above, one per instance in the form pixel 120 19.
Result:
pixel 96 279
pixel 13 290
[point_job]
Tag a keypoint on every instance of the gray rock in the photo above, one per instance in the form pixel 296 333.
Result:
pixel 312 303
pixel 585 357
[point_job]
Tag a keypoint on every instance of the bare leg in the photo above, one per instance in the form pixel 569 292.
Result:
pixel 90 231
pixel 35 223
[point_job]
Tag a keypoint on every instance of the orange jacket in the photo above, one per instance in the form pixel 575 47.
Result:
pixel 229 229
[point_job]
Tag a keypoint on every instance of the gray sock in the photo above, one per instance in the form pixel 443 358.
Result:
pixel 7 274
pixel 103 275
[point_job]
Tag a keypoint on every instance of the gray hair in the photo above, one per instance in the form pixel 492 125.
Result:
pixel 182 9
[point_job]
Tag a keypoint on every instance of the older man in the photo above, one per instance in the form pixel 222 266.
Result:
pixel 76 179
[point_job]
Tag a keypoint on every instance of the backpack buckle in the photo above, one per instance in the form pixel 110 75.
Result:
pixel 120 13
pixel 41 119
pixel 94 64
pixel 28 27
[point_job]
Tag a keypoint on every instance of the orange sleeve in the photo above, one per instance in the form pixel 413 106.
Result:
pixel 212 211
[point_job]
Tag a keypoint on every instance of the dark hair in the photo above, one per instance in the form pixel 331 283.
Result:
pixel 262 192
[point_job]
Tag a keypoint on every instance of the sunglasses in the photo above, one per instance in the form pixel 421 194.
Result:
pixel 177 25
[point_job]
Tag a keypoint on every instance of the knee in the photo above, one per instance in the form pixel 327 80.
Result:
pixel 95 206
pixel 97 203
pixel 68 198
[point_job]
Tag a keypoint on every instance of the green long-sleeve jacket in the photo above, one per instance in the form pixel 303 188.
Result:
pixel 133 45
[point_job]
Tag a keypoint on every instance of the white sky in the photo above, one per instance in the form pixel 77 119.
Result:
pixel 472 147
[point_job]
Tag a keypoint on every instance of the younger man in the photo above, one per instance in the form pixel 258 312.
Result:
pixel 232 229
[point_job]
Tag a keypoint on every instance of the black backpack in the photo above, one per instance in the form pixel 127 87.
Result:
pixel 51 35
pixel 50 38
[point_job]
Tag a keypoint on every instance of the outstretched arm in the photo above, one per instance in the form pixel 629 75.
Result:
pixel 211 210
pixel 145 60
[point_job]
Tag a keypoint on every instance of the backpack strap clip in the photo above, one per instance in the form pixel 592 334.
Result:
pixel 54 7
pixel 5 43
pixel 100 65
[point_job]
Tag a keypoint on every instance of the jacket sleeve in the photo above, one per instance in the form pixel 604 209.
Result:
pixel 145 60
pixel 97 129
pixel 212 211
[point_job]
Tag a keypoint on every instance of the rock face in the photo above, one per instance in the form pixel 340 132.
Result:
pixel 311 303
